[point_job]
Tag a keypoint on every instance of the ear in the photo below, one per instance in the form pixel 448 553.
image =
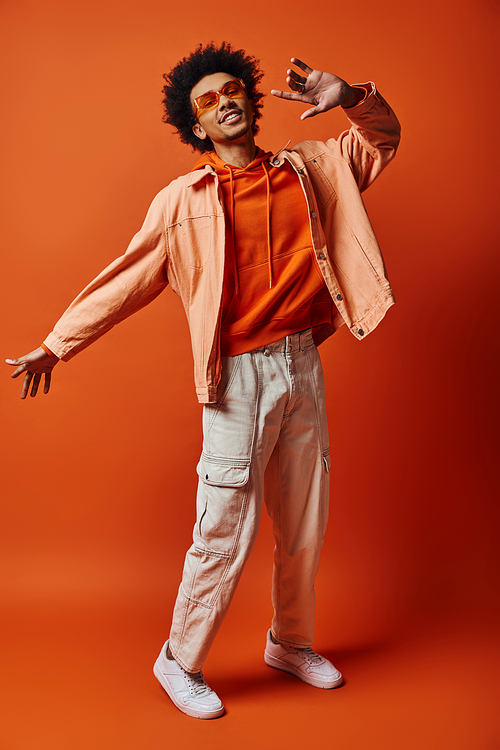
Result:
pixel 198 131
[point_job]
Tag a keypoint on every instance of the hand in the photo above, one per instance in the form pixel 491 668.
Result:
pixel 34 365
pixel 324 90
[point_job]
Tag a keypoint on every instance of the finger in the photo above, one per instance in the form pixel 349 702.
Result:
pixel 291 74
pixel 46 387
pixel 297 86
pixel 26 384
pixel 286 95
pixel 36 382
pixel 302 65
pixel 312 112
pixel 22 368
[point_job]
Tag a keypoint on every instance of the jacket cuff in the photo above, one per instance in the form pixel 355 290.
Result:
pixel 369 88
pixel 57 346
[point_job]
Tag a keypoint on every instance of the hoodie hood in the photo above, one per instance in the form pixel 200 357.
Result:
pixel 210 158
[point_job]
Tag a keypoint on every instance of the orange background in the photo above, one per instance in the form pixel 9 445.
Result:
pixel 98 478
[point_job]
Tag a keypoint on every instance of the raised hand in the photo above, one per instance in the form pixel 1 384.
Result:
pixel 323 90
pixel 35 364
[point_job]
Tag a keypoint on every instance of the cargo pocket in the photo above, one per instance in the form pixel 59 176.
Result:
pixel 222 495
pixel 222 502
pixel 223 472
pixel 325 483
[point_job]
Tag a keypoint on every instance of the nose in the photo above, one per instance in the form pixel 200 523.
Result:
pixel 224 101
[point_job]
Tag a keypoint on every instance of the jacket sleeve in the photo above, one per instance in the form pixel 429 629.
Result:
pixel 124 287
pixel 373 139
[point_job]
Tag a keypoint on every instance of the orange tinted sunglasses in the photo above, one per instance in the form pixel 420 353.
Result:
pixel 211 99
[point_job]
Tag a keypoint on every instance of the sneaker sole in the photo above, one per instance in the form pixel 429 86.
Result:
pixel 275 663
pixel 185 709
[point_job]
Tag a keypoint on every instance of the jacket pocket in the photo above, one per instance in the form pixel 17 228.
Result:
pixel 191 241
pixel 323 188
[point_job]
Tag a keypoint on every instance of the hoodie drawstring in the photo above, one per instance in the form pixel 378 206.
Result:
pixel 233 233
pixel 268 213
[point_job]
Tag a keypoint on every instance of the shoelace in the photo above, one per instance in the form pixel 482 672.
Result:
pixel 310 655
pixel 196 682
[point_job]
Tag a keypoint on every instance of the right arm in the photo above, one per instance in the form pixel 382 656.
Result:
pixel 124 287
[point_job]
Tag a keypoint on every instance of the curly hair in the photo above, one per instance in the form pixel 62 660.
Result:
pixel 205 61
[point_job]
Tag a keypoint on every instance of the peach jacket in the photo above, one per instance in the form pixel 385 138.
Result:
pixel 181 243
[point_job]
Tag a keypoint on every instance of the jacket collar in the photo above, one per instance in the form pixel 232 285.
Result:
pixel 278 158
pixel 290 155
pixel 199 174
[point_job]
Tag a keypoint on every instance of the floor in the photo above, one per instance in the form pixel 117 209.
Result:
pixel 77 674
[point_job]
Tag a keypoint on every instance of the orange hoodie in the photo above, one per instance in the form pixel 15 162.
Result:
pixel 272 283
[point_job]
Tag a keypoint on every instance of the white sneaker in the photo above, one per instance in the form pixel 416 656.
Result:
pixel 188 691
pixel 304 663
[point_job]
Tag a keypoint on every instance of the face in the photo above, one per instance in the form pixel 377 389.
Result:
pixel 230 120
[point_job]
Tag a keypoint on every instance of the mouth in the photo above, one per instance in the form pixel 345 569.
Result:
pixel 230 116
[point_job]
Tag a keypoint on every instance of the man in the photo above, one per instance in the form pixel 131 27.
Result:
pixel 270 254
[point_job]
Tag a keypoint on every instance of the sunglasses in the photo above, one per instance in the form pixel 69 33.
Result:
pixel 231 89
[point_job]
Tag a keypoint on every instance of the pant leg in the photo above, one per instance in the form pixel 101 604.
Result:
pixel 240 432
pixel 297 496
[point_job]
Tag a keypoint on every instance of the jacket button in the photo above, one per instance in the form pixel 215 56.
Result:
pixel 301 171
pixel 322 256
pixel 339 296
pixel 206 476
pixel 361 332
pixel 313 214
pixel 276 162
pixel 267 353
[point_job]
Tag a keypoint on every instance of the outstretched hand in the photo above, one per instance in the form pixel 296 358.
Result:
pixel 35 364
pixel 323 90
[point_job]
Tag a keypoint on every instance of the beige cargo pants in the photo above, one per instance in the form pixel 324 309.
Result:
pixel 266 436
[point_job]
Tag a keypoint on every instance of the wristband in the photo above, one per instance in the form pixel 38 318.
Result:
pixel 48 352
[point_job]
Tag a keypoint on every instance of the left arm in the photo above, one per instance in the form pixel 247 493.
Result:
pixel 372 141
